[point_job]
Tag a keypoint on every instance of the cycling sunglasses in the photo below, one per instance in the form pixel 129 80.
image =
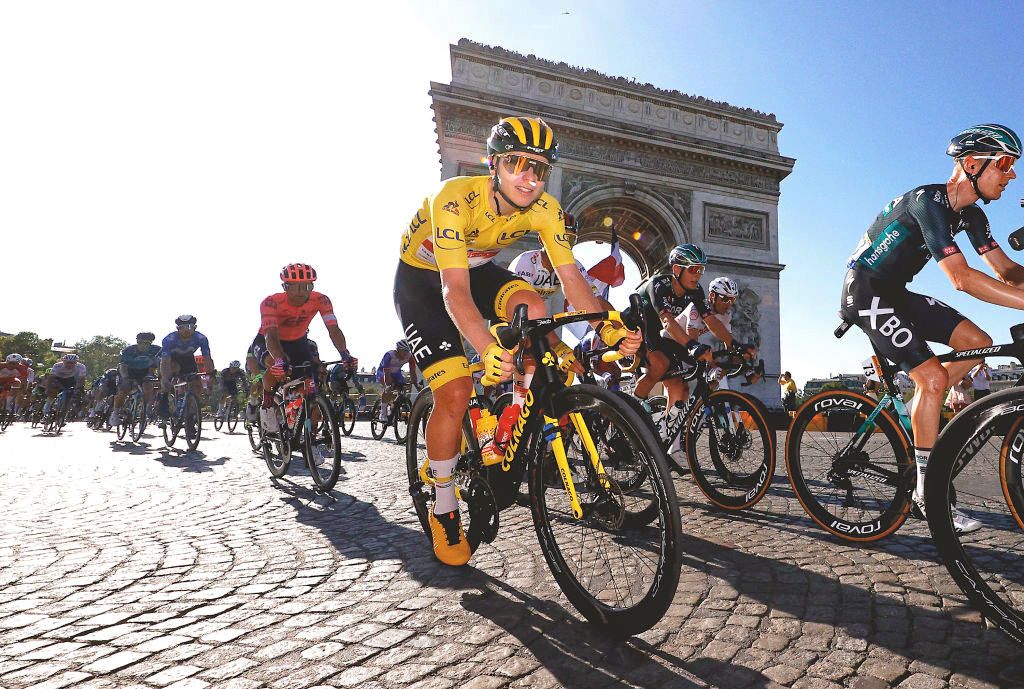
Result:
pixel 696 270
pixel 517 164
pixel 1004 162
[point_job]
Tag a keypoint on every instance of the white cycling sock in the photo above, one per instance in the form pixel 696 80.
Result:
pixel 921 460
pixel 444 487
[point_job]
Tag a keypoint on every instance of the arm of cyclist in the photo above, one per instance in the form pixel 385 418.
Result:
pixel 337 338
pixel 1008 270
pixel 979 285
pixel 718 329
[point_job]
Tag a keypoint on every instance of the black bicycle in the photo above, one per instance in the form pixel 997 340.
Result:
pixel 344 409
pixel 60 412
pixel 306 422
pixel 227 414
pixel 976 466
pixel 615 554
pixel 133 415
pixel 399 410
pixel 185 413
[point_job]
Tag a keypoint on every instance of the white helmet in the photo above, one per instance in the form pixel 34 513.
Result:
pixel 725 286
pixel 14 358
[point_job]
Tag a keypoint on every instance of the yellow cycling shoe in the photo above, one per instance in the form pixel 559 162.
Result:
pixel 450 544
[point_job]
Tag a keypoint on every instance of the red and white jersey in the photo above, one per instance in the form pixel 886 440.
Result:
pixel 9 371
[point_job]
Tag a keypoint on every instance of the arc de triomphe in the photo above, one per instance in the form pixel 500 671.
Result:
pixel 666 167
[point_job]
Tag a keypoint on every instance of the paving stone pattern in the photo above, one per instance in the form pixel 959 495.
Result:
pixel 134 566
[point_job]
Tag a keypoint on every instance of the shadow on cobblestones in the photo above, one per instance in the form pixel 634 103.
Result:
pixel 576 653
pixel 193 461
pixel 359 532
pixel 130 447
pixel 884 615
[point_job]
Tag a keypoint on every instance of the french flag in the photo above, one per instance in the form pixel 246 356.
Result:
pixel 609 271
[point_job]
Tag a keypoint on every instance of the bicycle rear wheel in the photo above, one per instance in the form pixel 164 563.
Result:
pixel 730 449
pixel 401 414
pixel 617 573
pixel 377 427
pixel 852 480
pixel 321 444
pixel 347 416
pixel 193 422
pixel 983 443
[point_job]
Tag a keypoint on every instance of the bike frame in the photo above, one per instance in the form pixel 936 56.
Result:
pixel 894 399
pixel 539 400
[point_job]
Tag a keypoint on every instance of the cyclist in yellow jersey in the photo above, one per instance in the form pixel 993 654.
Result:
pixel 447 284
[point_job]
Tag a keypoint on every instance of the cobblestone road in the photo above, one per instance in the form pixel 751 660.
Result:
pixel 125 565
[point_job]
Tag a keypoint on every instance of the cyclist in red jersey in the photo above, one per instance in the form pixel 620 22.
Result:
pixel 284 321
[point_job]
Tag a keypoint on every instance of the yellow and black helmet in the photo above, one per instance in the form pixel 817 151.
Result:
pixel 523 135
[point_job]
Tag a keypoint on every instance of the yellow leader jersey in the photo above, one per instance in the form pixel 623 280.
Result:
pixel 455 228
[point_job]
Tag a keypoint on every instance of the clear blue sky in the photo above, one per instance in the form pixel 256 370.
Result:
pixel 273 132
pixel 869 93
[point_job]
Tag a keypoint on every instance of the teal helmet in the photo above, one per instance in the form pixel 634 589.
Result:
pixel 687 255
pixel 985 139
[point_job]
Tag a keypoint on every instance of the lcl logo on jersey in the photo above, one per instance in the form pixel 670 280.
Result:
pixel 447 238
pixel 472 199
pixel 564 239
pixel 510 237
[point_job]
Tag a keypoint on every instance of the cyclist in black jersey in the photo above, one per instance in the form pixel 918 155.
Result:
pixel 665 296
pixel 914 227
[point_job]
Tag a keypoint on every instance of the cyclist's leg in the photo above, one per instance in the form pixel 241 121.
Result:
pixel 657 366
pixel 437 347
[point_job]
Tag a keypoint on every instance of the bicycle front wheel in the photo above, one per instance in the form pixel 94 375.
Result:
pixel 731 449
pixel 193 422
pixel 377 427
pixel 232 415
pixel 401 414
pixel 347 416
pixel 137 413
pixel 975 467
pixel 616 572
pixel 321 444
pixel 853 478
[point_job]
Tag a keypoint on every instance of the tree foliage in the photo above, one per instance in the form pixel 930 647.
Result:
pixel 99 353
pixel 30 345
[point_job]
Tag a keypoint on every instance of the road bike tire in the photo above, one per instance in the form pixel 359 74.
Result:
pixel 276 447
pixel 863 496
pixel 377 427
pixel 577 560
pixel 731 451
pixel 232 415
pixel 322 440
pixel 218 422
pixel 60 417
pixel 401 413
pixel 192 423
pixel 985 438
pixel 123 423
pixel 137 418
pixel 347 416
pixel 172 425
pixel 253 432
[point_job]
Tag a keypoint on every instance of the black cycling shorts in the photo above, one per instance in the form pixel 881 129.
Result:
pixel 186 364
pixel 135 375
pixel 899 323
pixel 296 352
pixel 436 342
